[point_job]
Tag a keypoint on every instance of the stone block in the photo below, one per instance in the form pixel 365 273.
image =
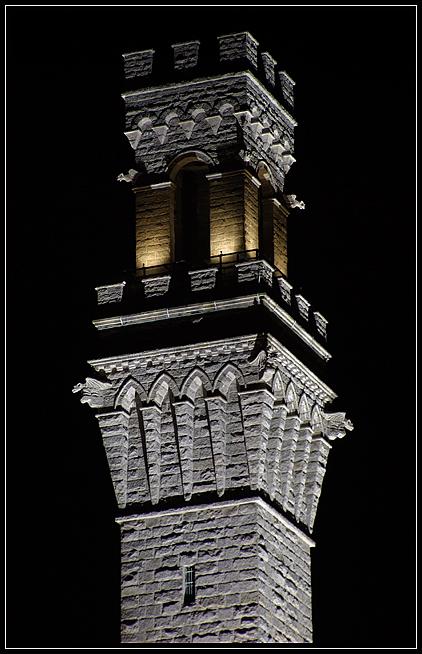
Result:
pixel 201 280
pixel 110 293
pixel 138 64
pixel 241 46
pixel 269 64
pixel 185 55
pixel 155 286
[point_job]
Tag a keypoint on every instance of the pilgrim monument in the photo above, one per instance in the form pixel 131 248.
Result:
pixel 209 395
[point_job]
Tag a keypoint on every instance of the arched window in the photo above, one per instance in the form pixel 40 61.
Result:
pixel 192 213
pixel 266 229
pixel 192 222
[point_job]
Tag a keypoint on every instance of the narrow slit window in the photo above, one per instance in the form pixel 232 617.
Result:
pixel 189 584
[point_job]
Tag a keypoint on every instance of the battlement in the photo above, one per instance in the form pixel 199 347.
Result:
pixel 230 282
pixel 239 51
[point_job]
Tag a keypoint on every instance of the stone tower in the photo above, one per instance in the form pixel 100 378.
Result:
pixel 208 396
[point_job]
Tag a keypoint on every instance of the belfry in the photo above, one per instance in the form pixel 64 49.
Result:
pixel 209 395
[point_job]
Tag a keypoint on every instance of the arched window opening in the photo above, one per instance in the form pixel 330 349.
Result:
pixel 266 229
pixel 192 223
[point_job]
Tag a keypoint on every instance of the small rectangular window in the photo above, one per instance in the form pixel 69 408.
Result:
pixel 189 584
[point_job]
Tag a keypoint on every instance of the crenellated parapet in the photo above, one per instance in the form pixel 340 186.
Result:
pixel 215 417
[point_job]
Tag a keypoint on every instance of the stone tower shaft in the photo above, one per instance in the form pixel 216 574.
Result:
pixel 208 388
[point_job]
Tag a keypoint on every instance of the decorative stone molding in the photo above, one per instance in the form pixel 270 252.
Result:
pixel 110 293
pixel 335 425
pixel 220 391
pixel 127 177
pixel 207 113
pixel 293 203
pixel 94 393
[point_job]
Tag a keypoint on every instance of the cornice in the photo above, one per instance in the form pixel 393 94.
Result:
pixel 201 80
pixel 187 310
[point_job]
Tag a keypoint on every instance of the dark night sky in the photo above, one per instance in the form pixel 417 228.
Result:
pixel 69 228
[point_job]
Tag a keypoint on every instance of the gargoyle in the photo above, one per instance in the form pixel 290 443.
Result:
pixel 93 392
pixel 335 425
pixel 293 203
pixel 127 177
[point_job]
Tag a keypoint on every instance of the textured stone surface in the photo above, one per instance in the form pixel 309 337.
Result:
pixel 255 271
pixel 154 286
pixel 303 306
pixel 154 225
pixel 201 280
pixel 214 417
pixel 233 434
pixel 111 293
pixel 185 54
pixel 233 212
pixel 138 64
pixel 162 122
pixel 233 47
pixel 252 573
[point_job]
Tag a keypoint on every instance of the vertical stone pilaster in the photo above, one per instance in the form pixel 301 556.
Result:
pixel 150 423
pixel 315 474
pixel 275 442
pixel 275 233
pixel 155 224
pixel 217 421
pixel 114 429
pixel 303 450
pixel 256 410
pixel 251 204
pixel 234 202
pixel 184 413
pixel 288 449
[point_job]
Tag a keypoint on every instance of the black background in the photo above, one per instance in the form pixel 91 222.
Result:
pixel 70 228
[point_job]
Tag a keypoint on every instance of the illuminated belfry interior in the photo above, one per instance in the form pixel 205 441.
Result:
pixel 207 388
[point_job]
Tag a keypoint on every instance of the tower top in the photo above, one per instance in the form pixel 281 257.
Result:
pixel 238 51
pixel 230 102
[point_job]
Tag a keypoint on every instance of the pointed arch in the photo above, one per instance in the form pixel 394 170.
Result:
pixel 316 419
pixel 161 387
pixel 195 383
pixel 291 398
pixel 185 158
pixel 226 377
pixel 278 389
pixel 126 394
pixel 266 178
pixel 304 409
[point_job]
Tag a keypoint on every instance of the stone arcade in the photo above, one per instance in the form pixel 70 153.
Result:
pixel 209 397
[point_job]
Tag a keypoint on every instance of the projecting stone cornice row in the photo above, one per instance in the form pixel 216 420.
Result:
pixel 202 308
pixel 234 111
pixel 244 424
pixel 259 369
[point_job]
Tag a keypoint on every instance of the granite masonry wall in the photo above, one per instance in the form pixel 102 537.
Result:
pixel 252 576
